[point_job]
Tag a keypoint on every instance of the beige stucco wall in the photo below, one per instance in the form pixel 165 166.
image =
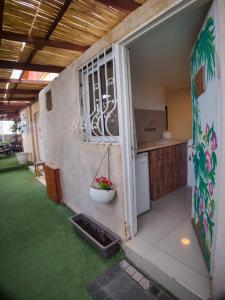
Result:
pixel 28 136
pixel 180 113
pixel 79 161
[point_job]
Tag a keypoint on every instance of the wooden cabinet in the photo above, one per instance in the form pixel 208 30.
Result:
pixel 168 169
pixel 52 177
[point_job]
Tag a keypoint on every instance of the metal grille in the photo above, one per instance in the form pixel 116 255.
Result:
pixel 98 120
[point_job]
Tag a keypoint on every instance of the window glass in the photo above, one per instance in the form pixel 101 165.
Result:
pixel 98 98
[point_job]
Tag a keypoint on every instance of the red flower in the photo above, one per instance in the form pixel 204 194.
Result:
pixel 104 183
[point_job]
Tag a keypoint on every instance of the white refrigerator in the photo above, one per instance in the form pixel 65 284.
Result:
pixel 142 183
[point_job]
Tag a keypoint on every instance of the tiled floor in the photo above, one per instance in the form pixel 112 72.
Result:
pixel 124 282
pixel 159 247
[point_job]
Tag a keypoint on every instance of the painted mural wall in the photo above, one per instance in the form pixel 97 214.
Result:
pixel 205 135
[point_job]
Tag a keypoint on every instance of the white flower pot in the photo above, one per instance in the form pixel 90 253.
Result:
pixel 22 157
pixel 101 196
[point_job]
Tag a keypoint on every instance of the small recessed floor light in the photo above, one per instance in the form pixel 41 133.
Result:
pixel 185 242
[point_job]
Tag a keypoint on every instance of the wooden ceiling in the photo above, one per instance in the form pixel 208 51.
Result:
pixel 46 36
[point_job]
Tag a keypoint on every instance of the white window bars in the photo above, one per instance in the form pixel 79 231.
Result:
pixel 98 120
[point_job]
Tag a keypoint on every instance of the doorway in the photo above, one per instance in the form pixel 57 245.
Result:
pixel 160 85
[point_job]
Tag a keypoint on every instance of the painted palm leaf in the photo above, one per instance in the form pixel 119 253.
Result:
pixel 205 160
pixel 204 50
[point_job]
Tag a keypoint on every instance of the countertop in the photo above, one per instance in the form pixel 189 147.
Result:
pixel 159 144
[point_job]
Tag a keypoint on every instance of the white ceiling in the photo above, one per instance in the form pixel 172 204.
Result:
pixel 162 56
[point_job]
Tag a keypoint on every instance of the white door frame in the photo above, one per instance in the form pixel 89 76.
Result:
pixel 125 108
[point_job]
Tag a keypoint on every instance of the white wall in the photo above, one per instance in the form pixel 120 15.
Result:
pixel 145 95
pixel 78 161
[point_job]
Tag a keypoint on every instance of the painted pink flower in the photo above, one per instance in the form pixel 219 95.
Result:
pixel 213 142
pixel 201 204
pixel 210 187
pixel 206 225
pixel 207 129
pixel 208 161
pixel 196 191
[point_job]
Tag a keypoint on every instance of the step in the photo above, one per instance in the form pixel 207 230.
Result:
pixel 176 277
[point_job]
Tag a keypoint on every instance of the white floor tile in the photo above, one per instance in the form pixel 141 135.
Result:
pixel 198 284
pixel 154 225
pixel 183 192
pixel 174 205
pixel 190 255
pixel 139 245
pixel 158 245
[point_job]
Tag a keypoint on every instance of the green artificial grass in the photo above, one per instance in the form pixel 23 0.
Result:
pixel 8 162
pixel 41 256
pixel 11 163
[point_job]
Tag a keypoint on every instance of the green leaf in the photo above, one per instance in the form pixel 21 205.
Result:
pixel 214 161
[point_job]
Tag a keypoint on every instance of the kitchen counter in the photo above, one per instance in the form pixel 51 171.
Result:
pixel 167 166
pixel 143 147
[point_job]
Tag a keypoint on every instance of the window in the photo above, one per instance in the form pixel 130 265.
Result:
pixel 48 99
pixel 98 99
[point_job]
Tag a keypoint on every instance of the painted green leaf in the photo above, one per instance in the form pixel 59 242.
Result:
pixel 204 159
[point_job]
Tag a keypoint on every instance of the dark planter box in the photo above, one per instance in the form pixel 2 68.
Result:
pixel 101 238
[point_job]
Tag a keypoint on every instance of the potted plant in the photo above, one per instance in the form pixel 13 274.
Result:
pixel 103 193
pixel 18 127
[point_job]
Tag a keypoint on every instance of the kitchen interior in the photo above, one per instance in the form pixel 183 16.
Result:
pixel 162 114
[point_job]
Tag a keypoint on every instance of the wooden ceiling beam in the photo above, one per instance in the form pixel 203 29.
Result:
pixel 2 4
pixel 52 28
pixel 50 31
pixel 21 99
pixel 127 5
pixel 58 18
pixel 8 109
pixel 5 111
pixel 16 109
pixel 24 81
pixel 18 37
pixel 16 106
pixel 5 64
pixel 18 92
